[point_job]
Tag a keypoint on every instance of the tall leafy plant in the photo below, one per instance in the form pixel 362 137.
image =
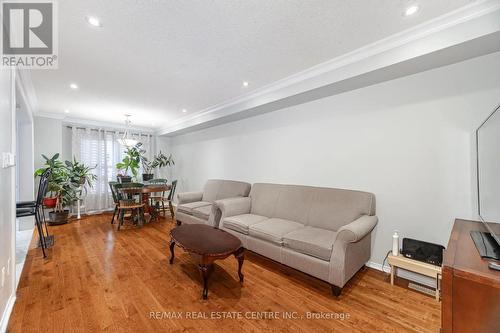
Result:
pixel 136 156
pixel 131 161
pixel 59 173
pixel 67 179
pixel 159 161
pixel 80 175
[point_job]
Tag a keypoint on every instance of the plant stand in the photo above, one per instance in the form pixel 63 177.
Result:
pixel 78 209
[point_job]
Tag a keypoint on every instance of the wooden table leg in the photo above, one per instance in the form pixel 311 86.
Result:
pixel 147 207
pixel 240 256
pixel 393 269
pixel 172 245
pixel 205 270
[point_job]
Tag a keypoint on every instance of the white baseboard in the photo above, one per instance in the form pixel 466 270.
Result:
pixel 415 277
pixel 6 314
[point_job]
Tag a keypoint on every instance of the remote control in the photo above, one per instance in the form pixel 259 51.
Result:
pixel 494 266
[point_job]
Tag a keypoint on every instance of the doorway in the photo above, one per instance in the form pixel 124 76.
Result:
pixel 25 185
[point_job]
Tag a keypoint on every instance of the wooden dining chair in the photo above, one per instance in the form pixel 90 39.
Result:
pixel 170 198
pixel 130 202
pixel 156 199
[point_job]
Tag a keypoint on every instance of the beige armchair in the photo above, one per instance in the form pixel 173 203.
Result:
pixel 196 207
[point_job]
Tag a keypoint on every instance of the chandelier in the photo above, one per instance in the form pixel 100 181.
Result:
pixel 126 140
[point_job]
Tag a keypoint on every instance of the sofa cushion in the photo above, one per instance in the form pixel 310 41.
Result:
pixel 324 208
pixel 188 207
pixel 273 229
pixel 241 223
pixel 315 242
pixel 202 212
pixel 216 189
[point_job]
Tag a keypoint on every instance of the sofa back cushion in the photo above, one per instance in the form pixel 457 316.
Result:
pixel 327 208
pixel 216 189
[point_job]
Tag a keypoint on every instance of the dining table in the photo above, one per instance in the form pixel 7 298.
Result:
pixel 145 193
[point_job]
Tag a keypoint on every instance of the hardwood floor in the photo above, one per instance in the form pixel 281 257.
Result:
pixel 98 279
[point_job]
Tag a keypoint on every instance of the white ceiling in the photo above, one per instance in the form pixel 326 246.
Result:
pixel 151 59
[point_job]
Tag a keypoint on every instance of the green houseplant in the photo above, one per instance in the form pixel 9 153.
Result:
pixel 159 161
pixel 57 177
pixel 81 174
pixel 131 162
pixel 135 157
pixel 66 183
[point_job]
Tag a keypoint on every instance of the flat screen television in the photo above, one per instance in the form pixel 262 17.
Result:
pixel 488 186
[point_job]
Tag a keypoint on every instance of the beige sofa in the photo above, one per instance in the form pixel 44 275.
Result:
pixel 196 207
pixel 324 232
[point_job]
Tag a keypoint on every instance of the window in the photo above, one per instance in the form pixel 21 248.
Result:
pixel 100 148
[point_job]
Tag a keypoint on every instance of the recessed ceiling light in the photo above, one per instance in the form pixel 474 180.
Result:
pixel 66 111
pixel 245 84
pixel 73 86
pixel 411 10
pixel 93 21
pixel 184 110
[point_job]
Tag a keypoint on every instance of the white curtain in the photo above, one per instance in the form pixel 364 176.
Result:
pixel 100 148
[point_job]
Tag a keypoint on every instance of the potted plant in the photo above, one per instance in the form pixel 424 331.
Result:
pixel 147 168
pixel 80 175
pixel 159 161
pixel 57 172
pixel 162 160
pixel 66 195
pixel 136 156
pixel 66 183
pixel 147 165
pixel 130 162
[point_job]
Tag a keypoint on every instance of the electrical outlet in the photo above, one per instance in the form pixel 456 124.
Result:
pixel 3 276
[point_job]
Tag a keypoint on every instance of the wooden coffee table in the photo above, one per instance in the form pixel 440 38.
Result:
pixel 206 244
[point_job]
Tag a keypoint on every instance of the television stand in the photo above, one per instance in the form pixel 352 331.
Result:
pixel 485 244
pixel 470 290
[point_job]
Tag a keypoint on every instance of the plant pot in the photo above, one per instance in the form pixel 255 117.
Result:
pixel 147 176
pixel 124 179
pixel 57 218
pixel 49 202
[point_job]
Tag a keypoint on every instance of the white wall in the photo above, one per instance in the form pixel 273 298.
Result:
pixel 7 196
pixel 25 160
pixel 48 139
pixel 409 141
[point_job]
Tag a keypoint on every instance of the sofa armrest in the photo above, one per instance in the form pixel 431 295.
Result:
pixel 230 207
pixel 357 229
pixel 351 249
pixel 186 197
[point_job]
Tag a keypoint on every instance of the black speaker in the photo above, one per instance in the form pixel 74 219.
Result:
pixel 423 251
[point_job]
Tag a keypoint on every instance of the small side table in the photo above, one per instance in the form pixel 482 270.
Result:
pixel 415 266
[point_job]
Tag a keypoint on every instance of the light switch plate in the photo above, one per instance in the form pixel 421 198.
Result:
pixel 8 160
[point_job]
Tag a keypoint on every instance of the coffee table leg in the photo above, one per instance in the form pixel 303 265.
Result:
pixel 205 272
pixel 172 245
pixel 240 255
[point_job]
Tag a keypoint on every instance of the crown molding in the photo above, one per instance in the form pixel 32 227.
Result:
pixel 438 42
pixel 70 121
